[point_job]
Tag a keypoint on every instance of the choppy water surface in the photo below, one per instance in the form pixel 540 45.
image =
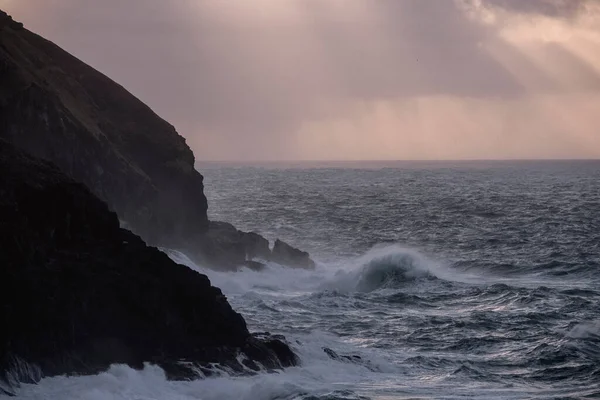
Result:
pixel 465 280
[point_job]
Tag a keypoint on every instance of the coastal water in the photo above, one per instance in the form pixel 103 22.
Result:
pixel 434 280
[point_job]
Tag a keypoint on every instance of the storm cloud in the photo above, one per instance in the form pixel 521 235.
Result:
pixel 348 79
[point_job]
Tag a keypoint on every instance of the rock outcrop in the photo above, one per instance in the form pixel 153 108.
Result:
pixel 223 246
pixel 285 254
pixel 57 108
pixel 80 293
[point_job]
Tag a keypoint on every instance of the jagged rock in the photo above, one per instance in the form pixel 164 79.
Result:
pixel 254 265
pixel 222 246
pixel 57 108
pixel 335 356
pixel 225 247
pixel 85 293
pixel 287 255
pixel 256 246
pixel 6 20
pixel 352 358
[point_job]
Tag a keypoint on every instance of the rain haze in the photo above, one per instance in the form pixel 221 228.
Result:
pixel 349 79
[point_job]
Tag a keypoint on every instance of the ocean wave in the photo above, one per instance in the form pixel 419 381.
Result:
pixel 391 270
pixel 389 267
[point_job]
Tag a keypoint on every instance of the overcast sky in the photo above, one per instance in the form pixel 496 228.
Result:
pixel 348 79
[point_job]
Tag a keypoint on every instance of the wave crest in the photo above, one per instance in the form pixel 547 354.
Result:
pixel 387 268
pixel 392 270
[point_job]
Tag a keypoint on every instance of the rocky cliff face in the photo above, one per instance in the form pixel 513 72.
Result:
pixel 59 109
pixel 80 293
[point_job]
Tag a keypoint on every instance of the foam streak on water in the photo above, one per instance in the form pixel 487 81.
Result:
pixel 433 281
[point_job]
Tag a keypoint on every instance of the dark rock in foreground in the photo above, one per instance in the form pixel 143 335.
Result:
pixel 79 293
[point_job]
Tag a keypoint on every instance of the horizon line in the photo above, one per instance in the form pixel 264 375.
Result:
pixel 392 160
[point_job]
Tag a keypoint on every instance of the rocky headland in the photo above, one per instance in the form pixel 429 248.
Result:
pixel 57 108
pixel 80 159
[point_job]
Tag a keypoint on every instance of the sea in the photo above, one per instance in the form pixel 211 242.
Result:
pixel 434 280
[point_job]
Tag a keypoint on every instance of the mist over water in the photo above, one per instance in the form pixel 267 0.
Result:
pixel 434 280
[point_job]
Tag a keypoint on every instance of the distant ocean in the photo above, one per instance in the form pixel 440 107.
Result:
pixel 434 280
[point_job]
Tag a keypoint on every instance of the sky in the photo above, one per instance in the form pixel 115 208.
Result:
pixel 254 80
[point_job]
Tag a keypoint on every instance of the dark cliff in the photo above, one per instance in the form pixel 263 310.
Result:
pixel 80 293
pixel 57 108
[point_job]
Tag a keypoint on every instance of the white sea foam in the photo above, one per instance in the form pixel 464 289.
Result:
pixel 318 375
pixel 585 330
